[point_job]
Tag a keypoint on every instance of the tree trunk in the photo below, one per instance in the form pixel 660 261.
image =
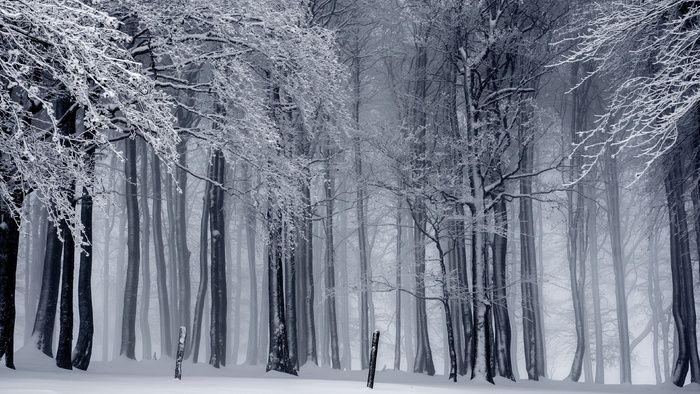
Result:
pixel 166 341
pixel 309 268
pixel 9 248
pixel 595 286
pixel 613 204
pixel 397 334
pixel 183 253
pixel 146 263
pixel 250 224
pixel 128 333
pixel 192 347
pixel 278 354
pixel 65 335
pixel 682 277
pixel 174 296
pixel 218 327
pixel 290 286
pixel 48 298
pixel 500 308
pixel 329 189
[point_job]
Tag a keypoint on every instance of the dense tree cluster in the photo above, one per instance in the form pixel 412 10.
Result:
pixel 309 127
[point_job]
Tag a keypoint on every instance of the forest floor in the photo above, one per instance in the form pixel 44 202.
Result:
pixel 40 376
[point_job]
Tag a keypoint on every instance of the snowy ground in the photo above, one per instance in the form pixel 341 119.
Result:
pixel 39 376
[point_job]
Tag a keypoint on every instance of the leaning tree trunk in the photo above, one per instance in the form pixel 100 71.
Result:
pixel 218 327
pixel 166 342
pixel 9 248
pixel 131 286
pixel 613 212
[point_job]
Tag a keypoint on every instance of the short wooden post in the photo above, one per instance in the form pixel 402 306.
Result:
pixel 373 359
pixel 180 352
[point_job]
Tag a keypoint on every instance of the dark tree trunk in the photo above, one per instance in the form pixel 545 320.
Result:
pixel 529 279
pixel 218 327
pixel 131 286
pixel 500 308
pixel 9 247
pixel 166 342
pixel 48 298
pixel 682 277
pixel 65 334
pixel 83 347
pixel 278 354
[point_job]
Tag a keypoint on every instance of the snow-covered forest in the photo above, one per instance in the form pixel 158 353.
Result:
pixel 507 191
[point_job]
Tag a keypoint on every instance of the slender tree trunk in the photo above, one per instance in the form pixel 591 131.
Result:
pixel 166 341
pixel 329 189
pixel 28 285
pixel 397 334
pixel 236 312
pixel 39 227
pixel 105 277
pixel 290 277
pixel 361 214
pixel 146 263
pixel 218 328
pixel 128 333
pixel 48 298
pixel 595 287
pixel 346 357
pixel 613 201
pixel 83 348
pixel 250 224
pixel 192 347
pixel 9 248
pixel 183 253
pixel 120 279
pixel 65 336
pixel 652 282
pixel 172 258
pixel 309 267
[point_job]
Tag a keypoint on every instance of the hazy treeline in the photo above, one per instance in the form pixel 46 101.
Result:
pixel 494 185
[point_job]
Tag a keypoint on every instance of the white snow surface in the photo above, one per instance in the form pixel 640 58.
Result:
pixel 38 374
